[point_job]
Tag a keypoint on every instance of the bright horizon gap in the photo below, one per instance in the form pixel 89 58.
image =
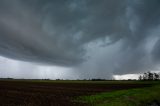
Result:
pixel 48 72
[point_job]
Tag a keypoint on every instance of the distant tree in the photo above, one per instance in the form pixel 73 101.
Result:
pixel 140 77
pixel 97 79
pixel 145 76
pixel 149 76
pixel 156 76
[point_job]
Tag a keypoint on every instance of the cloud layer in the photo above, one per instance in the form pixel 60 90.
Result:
pixel 107 36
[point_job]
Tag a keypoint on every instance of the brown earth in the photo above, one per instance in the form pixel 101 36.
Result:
pixel 28 93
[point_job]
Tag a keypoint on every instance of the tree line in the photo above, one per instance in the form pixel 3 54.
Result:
pixel 150 76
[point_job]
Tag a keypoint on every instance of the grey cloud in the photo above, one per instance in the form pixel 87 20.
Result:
pixel 156 52
pixel 58 32
pixel 139 51
pixel 55 31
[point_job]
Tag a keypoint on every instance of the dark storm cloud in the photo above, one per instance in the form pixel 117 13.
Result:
pixel 141 46
pixel 55 31
pixel 59 32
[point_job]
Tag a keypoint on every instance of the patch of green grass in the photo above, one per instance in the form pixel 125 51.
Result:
pixel 131 97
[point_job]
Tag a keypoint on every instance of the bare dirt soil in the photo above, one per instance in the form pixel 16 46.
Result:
pixel 30 93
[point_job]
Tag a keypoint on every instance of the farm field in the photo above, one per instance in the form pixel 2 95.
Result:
pixel 60 93
pixel 147 96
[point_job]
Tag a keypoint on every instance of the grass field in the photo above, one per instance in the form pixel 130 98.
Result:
pixel 77 93
pixel 147 96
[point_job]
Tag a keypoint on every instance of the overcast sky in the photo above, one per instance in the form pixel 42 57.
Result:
pixel 75 39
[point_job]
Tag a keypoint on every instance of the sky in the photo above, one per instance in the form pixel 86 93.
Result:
pixel 79 39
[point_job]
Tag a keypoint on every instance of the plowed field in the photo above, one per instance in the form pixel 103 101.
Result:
pixel 56 93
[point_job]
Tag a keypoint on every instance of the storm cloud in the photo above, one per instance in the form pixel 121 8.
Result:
pixel 101 37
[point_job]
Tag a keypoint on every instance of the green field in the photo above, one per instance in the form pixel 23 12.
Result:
pixel 147 96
